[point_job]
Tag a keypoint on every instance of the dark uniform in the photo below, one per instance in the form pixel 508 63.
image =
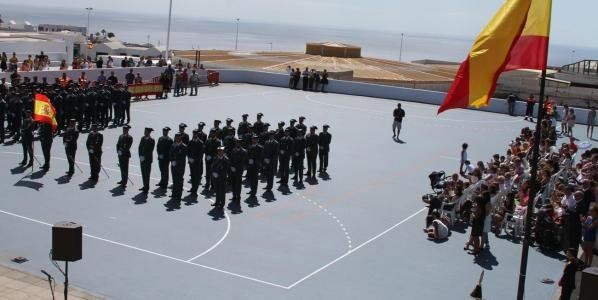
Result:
pixel 271 149
pixel 243 127
pixel 69 140
pixel 312 140
pixel 258 126
pixel 184 136
pixel 27 128
pixel 123 149
pixel 220 167
pixel 298 156
pixel 286 148
pixel 324 140
pixel 195 151
pixel 254 159
pixel 211 148
pixel 216 130
pixel 163 150
pixel 3 108
pixel 146 158
pixel 178 153
pixel 46 138
pixel 94 148
pixel 292 129
pixel 238 159
pixel 301 126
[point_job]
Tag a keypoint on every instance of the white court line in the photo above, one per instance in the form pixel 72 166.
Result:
pixel 152 252
pixel 355 249
pixel 227 217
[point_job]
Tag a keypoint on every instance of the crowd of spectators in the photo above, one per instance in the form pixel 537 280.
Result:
pixel 31 63
pixel 492 195
pixel 308 80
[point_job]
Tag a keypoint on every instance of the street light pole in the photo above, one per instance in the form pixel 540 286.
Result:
pixel 89 9
pixel 237 36
pixel 168 32
pixel 401 50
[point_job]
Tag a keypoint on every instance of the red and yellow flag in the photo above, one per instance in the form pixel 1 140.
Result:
pixel 44 112
pixel 516 38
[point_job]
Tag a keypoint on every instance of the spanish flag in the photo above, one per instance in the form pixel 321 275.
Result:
pixel 44 112
pixel 516 38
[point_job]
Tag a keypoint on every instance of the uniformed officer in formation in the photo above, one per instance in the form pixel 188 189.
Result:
pixel 3 108
pixel 216 131
pixel 123 149
pixel 177 155
pixel 285 150
pixel 46 139
pixel 271 149
pixel 69 140
pixel 27 129
pixel 146 157
pixel 238 159
pixel 312 146
pixel 243 127
pixel 324 141
pixel 258 126
pixel 195 151
pixel 211 149
pixel 220 167
pixel 254 161
pixel 94 143
pixel 301 125
pixel 184 136
pixel 163 150
pixel 299 145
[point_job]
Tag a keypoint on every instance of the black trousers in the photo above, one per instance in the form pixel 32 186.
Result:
pixel 236 182
pixel 146 170
pixel 128 112
pixel 269 169
pixel 27 144
pixel 566 293
pixel 70 157
pixel 95 164
pixel 298 167
pixel 284 169
pixel 123 165
pixel 163 164
pixel 252 177
pixel 529 112
pixel 1 130
pixel 208 173
pixel 195 170
pixel 311 163
pixel 324 160
pixel 220 187
pixel 46 149
pixel 305 83
pixel 178 174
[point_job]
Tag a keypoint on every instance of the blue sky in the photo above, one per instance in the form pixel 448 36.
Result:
pixel 572 23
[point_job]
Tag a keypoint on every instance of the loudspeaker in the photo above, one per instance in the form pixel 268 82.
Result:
pixel 67 240
pixel 588 289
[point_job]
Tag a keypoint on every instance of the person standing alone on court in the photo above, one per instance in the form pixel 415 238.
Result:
pixel 529 112
pixel 398 115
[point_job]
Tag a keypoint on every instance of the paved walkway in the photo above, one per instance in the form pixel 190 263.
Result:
pixel 16 285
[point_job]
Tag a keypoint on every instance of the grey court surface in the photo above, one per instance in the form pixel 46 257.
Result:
pixel 357 235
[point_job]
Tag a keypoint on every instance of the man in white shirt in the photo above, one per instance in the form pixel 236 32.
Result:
pixel 568 200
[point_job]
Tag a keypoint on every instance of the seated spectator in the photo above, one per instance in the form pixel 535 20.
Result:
pixel 437 229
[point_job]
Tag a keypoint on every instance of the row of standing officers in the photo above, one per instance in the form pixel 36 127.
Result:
pixel 225 154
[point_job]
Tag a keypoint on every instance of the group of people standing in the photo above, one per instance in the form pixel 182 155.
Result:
pixel 311 80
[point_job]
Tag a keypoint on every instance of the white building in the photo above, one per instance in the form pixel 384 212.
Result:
pixel 113 46
pixel 57 45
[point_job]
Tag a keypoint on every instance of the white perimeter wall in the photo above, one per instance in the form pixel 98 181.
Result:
pixel 282 80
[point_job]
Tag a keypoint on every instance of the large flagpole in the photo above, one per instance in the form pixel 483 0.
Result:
pixel 534 176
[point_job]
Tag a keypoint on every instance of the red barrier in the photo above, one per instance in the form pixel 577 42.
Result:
pixel 213 77
pixel 145 89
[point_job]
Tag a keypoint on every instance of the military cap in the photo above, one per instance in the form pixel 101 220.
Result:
pixel 217 121
pixel 166 128
pixel 293 121
pixel 201 124
pixel 245 115
pixel 302 118
pixel 229 120
pixel 183 125
pixel 326 126
pixel 313 127
pixel 280 123
pixel 149 129
pixel 266 124
pixel 260 114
